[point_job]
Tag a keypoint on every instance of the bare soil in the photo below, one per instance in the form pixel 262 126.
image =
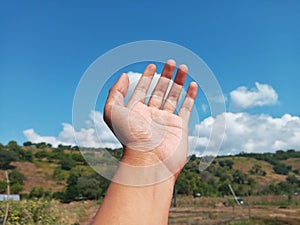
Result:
pixel 38 176
pixel 211 211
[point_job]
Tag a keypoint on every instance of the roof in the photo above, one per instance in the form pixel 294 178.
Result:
pixel 11 197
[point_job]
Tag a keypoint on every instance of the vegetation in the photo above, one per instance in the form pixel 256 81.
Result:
pixel 35 212
pixel 248 173
pixel 46 177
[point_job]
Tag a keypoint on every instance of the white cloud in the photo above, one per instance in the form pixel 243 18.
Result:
pixel 261 95
pixel 244 132
pixel 134 78
pixel 32 136
pixel 96 134
pixel 250 133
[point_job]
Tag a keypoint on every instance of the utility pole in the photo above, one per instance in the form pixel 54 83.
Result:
pixel 174 197
pixel 7 199
pixel 233 194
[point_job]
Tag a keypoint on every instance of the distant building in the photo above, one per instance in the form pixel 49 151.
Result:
pixel 10 197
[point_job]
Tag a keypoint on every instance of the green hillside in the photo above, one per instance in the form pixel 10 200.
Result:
pixel 37 170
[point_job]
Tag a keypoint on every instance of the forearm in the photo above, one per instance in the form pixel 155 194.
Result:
pixel 136 205
pixel 140 205
pixel 142 188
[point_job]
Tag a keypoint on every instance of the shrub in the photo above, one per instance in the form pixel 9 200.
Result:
pixel 16 188
pixel 39 192
pixel 34 212
pixel 280 168
pixel 227 162
pixel 67 163
pixel 6 157
pixel 16 176
pixel 3 186
pixel 42 154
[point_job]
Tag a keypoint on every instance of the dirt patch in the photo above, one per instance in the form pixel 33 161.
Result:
pixel 37 177
pixel 227 215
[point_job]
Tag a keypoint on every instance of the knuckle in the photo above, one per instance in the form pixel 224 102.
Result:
pixel 108 109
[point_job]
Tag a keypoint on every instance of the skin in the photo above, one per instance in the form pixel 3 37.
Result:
pixel 151 135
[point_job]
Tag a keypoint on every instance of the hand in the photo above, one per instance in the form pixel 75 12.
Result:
pixel 152 133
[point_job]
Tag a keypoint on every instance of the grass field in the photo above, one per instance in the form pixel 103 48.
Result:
pixel 260 210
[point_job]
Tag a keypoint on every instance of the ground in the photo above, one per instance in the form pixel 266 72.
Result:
pixel 38 175
pixel 193 211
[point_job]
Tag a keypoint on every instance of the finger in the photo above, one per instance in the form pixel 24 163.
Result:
pixel 143 85
pixel 161 87
pixel 188 102
pixel 118 91
pixel 173 96
pixel 116 95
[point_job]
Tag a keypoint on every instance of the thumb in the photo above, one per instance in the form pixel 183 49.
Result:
pixel 116 95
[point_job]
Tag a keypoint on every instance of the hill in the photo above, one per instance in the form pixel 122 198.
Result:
pixel 37 170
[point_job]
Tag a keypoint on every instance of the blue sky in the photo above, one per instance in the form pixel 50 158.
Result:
pixel 45 47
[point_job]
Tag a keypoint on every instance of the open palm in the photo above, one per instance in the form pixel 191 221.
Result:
pixel 152 131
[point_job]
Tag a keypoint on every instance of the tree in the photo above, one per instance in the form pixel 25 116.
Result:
pixel 28 156
pixel 67 163
pixel 104 183
pixel 64 147
pixel 292 179
pixel 58 174
pixel 6 157
pixel 193 157
pixel 39 192
pixel 42 154
pixel 22 155
pixel 224 177
pixel 239 177
pixel 286 187
pixel 75 148
pixel 226 162
pixel 16 188
pixel 256 169
pixel 78 158
pixel 71 192
pixel 27 143
pixel 3 186
pixel 224 189
pixel 280 168
pixel 89 188
pixel 42 145
pixel 12 145
pixel 16 176
pixel 182 185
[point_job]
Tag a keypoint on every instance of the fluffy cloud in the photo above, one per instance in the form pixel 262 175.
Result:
pixel 96 134
pixel 32 136
pixel 244 132
pixel 261 95
pixel 250 133
pixel 134 78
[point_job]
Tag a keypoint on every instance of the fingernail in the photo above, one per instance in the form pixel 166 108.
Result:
pixel 193 83
pixel 171 62
pixel 152 66
pixel 183 67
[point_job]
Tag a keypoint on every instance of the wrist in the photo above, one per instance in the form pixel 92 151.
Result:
pixel 139 158
pixel 143 169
